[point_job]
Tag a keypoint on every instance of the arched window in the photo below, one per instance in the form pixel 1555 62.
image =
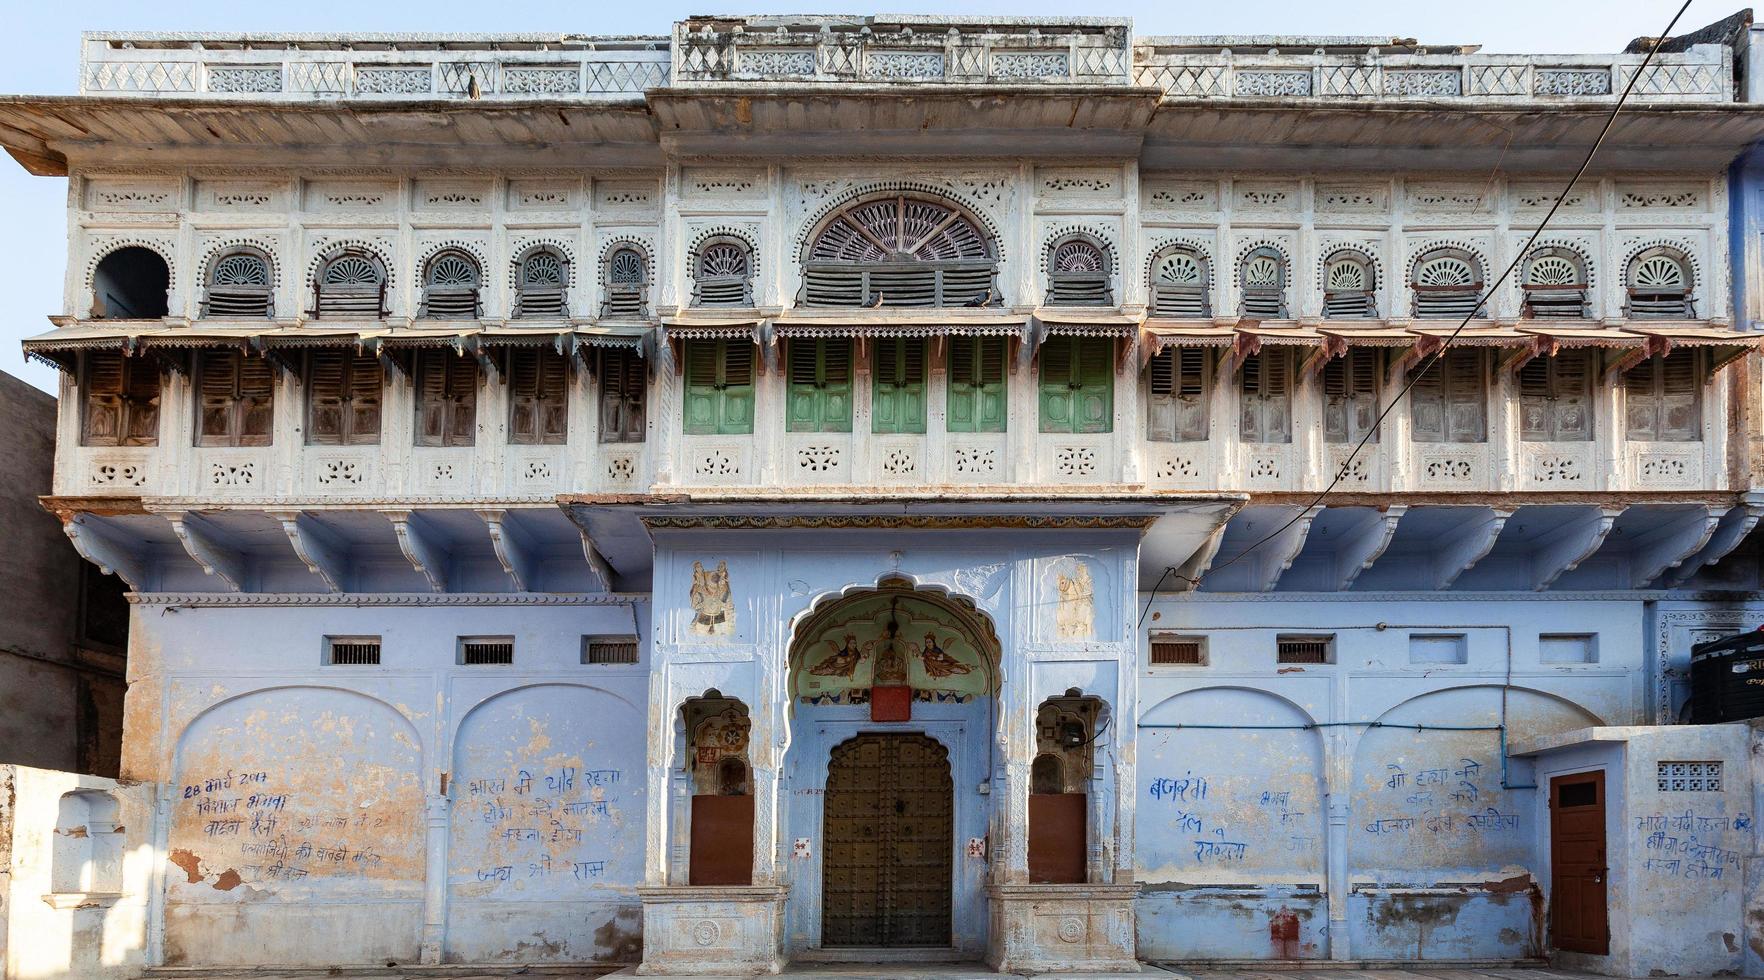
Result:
pixel 625 283
pixel 1179 283
pixel 1262 278
pixel 1447 283
pixel 1660 285
pixel 350 283
pixel 1078 272
pixel 131 283
pixel 451 281
pixel 722 273
pixel 1554 282
pixel 1350 285
pixel 894 250
pixel 238 285
pixel 542 285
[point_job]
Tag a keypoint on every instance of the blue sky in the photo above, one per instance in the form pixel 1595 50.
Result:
pixel 39 54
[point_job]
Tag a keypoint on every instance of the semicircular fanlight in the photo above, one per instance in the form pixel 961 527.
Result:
pixel 351 270
pixel 1445 271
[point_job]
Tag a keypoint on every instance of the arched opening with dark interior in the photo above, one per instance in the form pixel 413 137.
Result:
pixel 718 772
pixel 131 283
pixel 1066 730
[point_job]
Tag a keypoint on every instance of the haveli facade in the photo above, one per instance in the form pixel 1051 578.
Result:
pixel 546 464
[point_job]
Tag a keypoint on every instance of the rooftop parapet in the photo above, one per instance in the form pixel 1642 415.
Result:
pixel 302 67
pixel 904 49
pixel 1703 74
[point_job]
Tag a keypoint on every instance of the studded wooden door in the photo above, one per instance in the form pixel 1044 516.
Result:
pixel 885 869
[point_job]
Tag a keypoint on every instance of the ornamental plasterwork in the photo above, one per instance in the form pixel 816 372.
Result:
pixel 748 232
pixel 545 195
pixel 1585 245
pixel 379 197
pixel 1185 196
pixel 1352 198
pixel 1421 243
pixel 131 195
pixel 271 245
pixel 904 64
pixel 1108 236
pixel 1423 82
pixel 626 195
pixel 713 183
pixel 541 79
pixel 1639 242
pixel 1265 195
pixel 1446 198
pixel 244 78
pixel 477 245
pixel 1633 196
pixel 1572 81
pixel 608 239
pixel 98 246
pixel 981 193
pixel 450 195
pixel 241 196
pixel 1273 83
pixel 520 246
pixel 1030 64
pixel 1078 181
pixel 322 246
pixel 1540 195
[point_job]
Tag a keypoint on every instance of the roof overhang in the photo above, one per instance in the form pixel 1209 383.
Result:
pixel 1301 135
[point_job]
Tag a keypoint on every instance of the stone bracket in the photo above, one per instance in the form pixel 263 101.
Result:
pixel 422 547
pixel 207 543
pixel 1467 544
pixel 323 553
pixel 1563 549
pixel 105 548
pixel 514 549
pixel 1667 548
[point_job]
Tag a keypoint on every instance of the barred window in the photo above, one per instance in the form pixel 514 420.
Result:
pixel 1687 777
pixel 1305 649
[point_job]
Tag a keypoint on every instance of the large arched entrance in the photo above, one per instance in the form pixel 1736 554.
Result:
pixel 888 773
pixel 887 863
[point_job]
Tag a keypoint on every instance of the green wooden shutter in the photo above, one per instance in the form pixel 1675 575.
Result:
pixel 1058 372
pixel 897 386
pixel 704 368
pixel 820 385
pixel 735 408
pixel 976 400
pixel 1077 385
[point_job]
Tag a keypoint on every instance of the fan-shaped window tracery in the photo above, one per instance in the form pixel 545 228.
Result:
pixel 1659 285
pixel 239 285
pixel 1262 280
pixel 722 273
pixel 1078 272
pixel 896 250
pixel 625 283
pixel 1447 283
pixel 542 285
pixel 450 286
pixel 1350 285
pixel 1554 283
pixel 350 284
pixel 1179 283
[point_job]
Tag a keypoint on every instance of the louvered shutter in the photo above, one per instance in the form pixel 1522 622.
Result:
pixel 735 406
pixel 217 376
pixel 1350 392
pixel 1427 400
pixel 1266 409
pixel 820 385
pixel 976 384
pixel 366 383
pixel 257 386
pixel 1534 401
pixel 523 397
pixel 140 402
pixel 538 397
pixel 1094 398
pixel 702 410
pixel 1176 410
pixel 1661 396
pixel 432 407
pixel 897 389
pixel 1160 404
pixel 623 384
pixel 325 380
pixel 102 387
pixel 1058 372
pixel 1466 402
pixel 1573 396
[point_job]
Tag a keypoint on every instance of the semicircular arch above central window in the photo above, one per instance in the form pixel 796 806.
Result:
pixel 898 249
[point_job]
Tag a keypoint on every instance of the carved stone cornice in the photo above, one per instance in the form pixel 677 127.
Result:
pixel 231 599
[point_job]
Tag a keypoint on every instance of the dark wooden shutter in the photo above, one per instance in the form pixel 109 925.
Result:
pixel 1350 396
pixel 1449 400
pixel 447 399
pixel 1265 402
pixel 538 390
pixel 623 383
pixel 141 383
pixel 257 386
pixel 1176 383
pixel 326 372
pixel 1661 396
pixel 367 384
pixel 1555 398
pixel 102 385
pixel 235 399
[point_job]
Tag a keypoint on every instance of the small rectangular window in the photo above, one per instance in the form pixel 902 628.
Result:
pixel 1567 648
pixel 1169 648
pixel 1305 649
pixel 1449 401
pixel 343 394
pixel 976 397
pixel 718 398
pixel 352 651
pixel 485 650
pixel 609 649
pixel 1688 777
pixel 1077 384
pixel 1438 648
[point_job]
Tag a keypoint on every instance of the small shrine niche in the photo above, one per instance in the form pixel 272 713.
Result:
pixel 717 738
pixel 1066 730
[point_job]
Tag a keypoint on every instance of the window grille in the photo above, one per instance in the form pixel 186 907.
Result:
pixel 235 399
pixel 486 650
pixel 1555 398
pixel 239 286
pixel 1659 285
pixel 1176 379
pixel 1449 402
pixel 1350 396
pixel 1262 280
pixel 1078 273
pixel 624 382
pixel 1554 283
pixel 1447 284
pixel 976 396
pixel 719 387
pixel 1177 650
pixel 625 282
pixel 1077 384
pixel 1662 398
pixel 446 398
pixel 609 649
pixel 450 287
pixel 350 285
pixel 896 250
pixel 343 397
pixel 819 389
pixel 1687 777
pixel 1265 399
pixel 542 285
pixel 1350 286
pixel 538 396
pixel 1179 283
pixel 352 651
pixel 723 274
pixel 1305 649
pixel 120 395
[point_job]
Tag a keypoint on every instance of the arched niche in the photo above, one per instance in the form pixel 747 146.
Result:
pixel 717 766
pixel 1431 804
pixel 1230 783
pixel 1067 728
pixel 131 283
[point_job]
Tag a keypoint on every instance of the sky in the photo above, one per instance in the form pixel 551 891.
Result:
pixel 39 55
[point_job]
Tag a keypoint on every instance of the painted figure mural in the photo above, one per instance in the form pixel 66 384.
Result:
pixel 1075 614
pixel 713 611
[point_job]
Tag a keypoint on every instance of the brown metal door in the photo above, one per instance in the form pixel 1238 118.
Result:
pixel 889 841
pixel 1577 864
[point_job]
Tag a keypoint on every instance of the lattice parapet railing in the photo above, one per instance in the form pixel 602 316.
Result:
pixel 1089 51
pixel 313 67
pixel 1702 74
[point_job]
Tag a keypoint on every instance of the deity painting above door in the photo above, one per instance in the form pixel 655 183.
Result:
pixel 886 640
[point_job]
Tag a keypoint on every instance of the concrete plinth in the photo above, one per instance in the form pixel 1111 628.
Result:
pixel 712 930
pixel 1062 928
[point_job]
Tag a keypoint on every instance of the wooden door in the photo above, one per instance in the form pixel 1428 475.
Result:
pixel 1578 920
pixel 888 849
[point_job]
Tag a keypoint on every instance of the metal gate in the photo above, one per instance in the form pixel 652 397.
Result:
pixel 889 843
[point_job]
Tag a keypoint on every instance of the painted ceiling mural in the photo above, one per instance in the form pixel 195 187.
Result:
pixel 888 640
